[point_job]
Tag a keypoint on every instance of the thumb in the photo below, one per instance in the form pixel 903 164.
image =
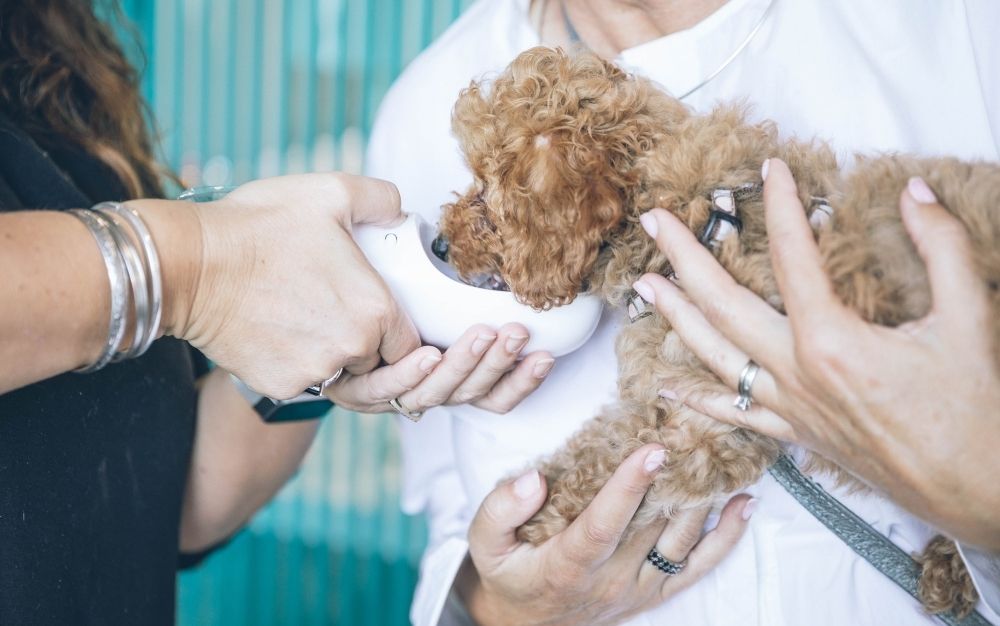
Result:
pixel 374 201
pixel 400 337
pixel 491 535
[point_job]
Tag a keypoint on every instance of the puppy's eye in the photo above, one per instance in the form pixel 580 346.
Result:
pixel 484 225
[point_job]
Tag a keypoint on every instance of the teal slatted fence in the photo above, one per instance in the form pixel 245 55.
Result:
pixel 250 88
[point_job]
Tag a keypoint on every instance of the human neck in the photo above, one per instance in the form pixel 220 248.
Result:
pixel 609 26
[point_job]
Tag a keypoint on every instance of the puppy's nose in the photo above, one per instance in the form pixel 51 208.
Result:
pixel 440 248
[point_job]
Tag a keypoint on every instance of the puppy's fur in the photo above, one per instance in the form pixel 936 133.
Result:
pixel 568 151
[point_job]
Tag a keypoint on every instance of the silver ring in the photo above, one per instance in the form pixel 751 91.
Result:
pixel 665 565
pixel 398 407
pixel 747 376
pixel 320 388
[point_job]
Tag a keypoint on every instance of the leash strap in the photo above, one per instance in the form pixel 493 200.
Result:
pixel 868 543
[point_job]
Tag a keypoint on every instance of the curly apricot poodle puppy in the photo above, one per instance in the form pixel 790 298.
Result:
pixel 568 150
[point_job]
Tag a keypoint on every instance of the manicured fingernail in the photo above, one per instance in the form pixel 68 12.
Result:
pixel 515 343
pixel 654 460
pixel 645 291
pixel 543 367
pixel 481 343
pixel 666 394
pixel 527 485
pixel 920 191
pixel 749 508
pixel 649 224
pixel 763 169
pixel 429 363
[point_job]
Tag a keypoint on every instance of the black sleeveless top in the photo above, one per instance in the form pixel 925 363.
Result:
pixel 92 466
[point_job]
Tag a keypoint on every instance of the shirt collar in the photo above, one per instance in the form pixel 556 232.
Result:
pixel 680 61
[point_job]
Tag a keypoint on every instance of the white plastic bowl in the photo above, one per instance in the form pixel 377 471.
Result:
pixel 443 308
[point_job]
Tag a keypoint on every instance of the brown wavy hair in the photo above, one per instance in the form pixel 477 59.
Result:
pixel 63 72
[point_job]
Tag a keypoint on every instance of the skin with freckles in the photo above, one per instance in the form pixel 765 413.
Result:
pixel 562 215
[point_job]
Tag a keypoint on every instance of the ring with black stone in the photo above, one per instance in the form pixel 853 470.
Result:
pixel 664 564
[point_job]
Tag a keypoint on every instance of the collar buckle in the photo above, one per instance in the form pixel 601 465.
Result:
pixel 724 219
pixel 637 308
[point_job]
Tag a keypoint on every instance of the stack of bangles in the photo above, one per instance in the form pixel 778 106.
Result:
pixel 134 275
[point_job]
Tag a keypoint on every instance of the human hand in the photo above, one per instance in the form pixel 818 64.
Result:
pixel 584 575
pixel 481 369
pixel 912 410
pixel 279 294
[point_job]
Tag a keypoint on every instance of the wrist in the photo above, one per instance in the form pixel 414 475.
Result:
pixel 177 234
pixel 934 484
pixel 469 590
pixel 480 605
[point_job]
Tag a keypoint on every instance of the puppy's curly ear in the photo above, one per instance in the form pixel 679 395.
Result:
pixel 474 246
pixel 474 125
pixel 553 235
pixel 551 270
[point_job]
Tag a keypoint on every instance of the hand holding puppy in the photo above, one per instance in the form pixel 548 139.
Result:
pixel 913 410
pixel 585 574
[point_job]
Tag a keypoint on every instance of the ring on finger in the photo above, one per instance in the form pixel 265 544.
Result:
pixel 320 388
pixel 398 407
pixel 744 388
pixel 665 565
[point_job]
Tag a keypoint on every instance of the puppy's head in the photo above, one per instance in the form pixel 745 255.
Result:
pixel 551 143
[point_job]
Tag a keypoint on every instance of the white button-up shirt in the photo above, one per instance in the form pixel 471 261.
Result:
pixel 920 76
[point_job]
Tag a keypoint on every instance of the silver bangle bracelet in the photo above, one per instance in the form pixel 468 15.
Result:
pixel 136 270
pixel 154 278
pixel 115 265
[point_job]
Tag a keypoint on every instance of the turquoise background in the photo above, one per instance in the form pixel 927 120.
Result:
pixel 246 88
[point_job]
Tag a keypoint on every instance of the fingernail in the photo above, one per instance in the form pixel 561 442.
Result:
pixel 749 508
pixel 527 485
pixel 920 191
pixel 481 343
pixel 666 394
pixel 543 367
pixel 763 169
pixel 649 224
pixel 515 343
pixel 644 291
pixel 429 363
pixel 654 460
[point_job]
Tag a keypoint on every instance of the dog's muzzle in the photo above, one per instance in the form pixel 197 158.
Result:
pixel 493 282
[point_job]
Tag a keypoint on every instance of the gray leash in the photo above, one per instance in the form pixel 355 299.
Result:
pixel 868 543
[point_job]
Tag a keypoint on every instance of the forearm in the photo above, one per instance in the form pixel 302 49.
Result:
pixel 55 300
pixel 238 464
pixel 54 297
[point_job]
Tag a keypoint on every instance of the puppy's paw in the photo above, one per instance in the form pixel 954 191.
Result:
pixel 945 584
